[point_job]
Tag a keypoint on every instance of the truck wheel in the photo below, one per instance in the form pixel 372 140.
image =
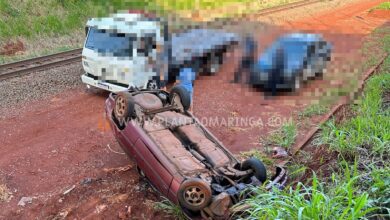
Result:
pixel 257 166
pixel 180 98
pixel 124 107
pixel 194 194
pixel 297 82
pixel 214 62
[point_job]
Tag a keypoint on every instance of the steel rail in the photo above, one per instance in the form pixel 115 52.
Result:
pixel 342 102
pixel 280 8
pixel 23 67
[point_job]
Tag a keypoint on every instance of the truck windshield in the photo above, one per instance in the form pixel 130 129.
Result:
pixel 115 44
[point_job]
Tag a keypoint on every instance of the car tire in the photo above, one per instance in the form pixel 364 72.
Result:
pixel 258 168
pixel 124 106
pixel 180 97
pixel 194 194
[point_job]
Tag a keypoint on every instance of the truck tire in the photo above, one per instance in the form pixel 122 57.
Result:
pixel 215 63
pixel 180 97
pixel 298 80
pixel 124 107
pixel 212 63
pixel 194 194
pixel 258 168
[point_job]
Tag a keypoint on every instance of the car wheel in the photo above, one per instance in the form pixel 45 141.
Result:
pixel 124 106
pixel 194 194
pixel 152 85
pixel 180 98
pixel 258 168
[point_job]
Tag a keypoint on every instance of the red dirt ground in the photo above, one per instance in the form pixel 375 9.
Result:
pixel 57 143
pixel 12 48
pixel 215 96
pixel 380 13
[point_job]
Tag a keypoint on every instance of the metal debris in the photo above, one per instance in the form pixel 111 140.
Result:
pixel 25 200
pixel 279 152
pixel 69 190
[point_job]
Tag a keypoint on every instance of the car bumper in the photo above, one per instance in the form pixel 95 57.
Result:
pixel 101 84
pixel 224 205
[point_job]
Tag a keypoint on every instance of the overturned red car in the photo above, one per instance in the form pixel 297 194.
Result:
pixel 179 156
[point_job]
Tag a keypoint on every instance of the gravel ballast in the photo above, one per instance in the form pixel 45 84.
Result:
pixel 16 92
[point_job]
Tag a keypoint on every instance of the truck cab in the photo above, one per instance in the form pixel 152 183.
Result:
pixel 121 51
pixel 137 50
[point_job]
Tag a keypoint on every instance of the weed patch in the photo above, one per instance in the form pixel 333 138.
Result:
pixel 169 208
pixel 259 155
pixel 334 200
pixel 358 187
pixel 369 129
pixel 383 6
pixel 313 110
pixel 284 136
pixel 296 170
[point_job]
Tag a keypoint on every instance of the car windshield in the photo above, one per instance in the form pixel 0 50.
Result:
pixel 108 43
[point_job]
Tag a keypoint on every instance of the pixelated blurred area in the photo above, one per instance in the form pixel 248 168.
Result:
pixel 328 50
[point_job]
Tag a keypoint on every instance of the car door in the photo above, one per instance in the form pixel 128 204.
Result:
pixel 154 170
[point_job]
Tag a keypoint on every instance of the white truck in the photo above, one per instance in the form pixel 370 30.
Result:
pixel 134 50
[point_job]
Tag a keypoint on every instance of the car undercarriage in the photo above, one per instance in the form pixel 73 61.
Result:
pixel 211 179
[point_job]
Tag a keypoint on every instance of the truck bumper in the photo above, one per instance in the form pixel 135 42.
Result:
pixel 101 84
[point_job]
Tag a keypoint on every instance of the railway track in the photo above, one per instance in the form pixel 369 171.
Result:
pixel 19 68
pixel 293 5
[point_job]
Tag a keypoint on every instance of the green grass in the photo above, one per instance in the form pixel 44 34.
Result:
pixel 170 209
pixel 369 129
pixel 259 155
pixel 37 53
pixel 296 170
pixel 313 110
pixel 383 5
pixel 359 186
pixel 35 17
pixel 31 20
pixel 284 136
pixel 338 199
pixel 213 4
pixel 376 182
pixel 191 4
